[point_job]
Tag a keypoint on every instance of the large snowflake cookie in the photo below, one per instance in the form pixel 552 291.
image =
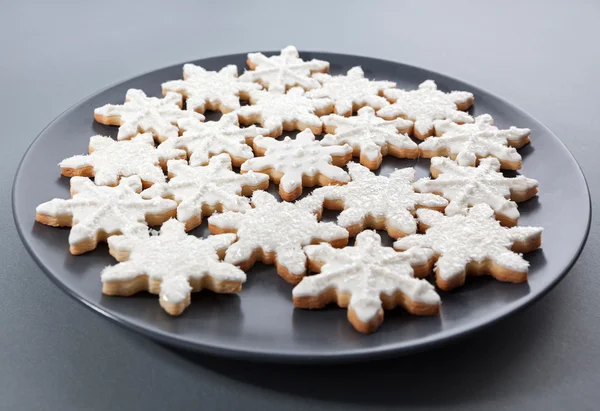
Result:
pixel 425 105
pixel 290 111
pixel 98 212
pixel 468 186
pixel 473 244
pixel 368 278
pixel 302 162
pixel 382 203
pixel 109 160
pixel 204 140
pixel 275 232
pixel 282 72
pixel 201 191
pixel 211 90
pixel 467 143
pixel 370 137
pixel 171 264
pixel 141 114
pixel 352 91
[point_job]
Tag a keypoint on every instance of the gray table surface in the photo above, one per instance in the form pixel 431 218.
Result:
pixel 57 355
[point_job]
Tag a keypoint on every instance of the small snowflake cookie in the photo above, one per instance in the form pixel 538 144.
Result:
pixel 467 143
pixel 368 278
pixel 425 105
pixel 142 114
pixel 382 203
pixel 171 264
pixel 98 212
pixel 211 90
pixel 473 244
pixel 109 160
pixel 468 186
pixel 370 137
pixel 352 91
pixel 280 73
pixel 302 162
pixel 201 191
pixel 290 111
pixel 274 233
pixel 204 140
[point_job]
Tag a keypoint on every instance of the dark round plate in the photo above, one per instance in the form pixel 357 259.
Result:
pixel 261 322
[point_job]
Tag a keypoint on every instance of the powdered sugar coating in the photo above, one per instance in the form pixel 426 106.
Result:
pixel 204 140
pixel 173 258
pixel 474 237
pixel 425 105
pixel 369 134
pixel 112 160
pixel 141 114
pixel 366 271
pixel 278 73
pixel 111 210
pixel 468 186
pixel 277 227
pixel 297 158
pixel 214 185
pixel 217 90
pixel 276 112
pixel 469 142
pixel 352 91
pixel 370 195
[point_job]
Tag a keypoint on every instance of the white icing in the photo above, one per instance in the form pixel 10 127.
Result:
pixel 468 142
pixel 367 133
pixel 196 187
pixel 296 158
pixel 112 160
pixel 220 89
pixel 351 91
pixel 141 114
pixel 277 227
pixel 292 107
pixel 425 105
pixel 278 73
pixel 475 237
pixel 366 271
pixel 112 210
pixel 172 257
pixel 391 198
pixel 468 186
pixel 204 140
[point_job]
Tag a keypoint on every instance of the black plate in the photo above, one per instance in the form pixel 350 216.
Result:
pixel 260 322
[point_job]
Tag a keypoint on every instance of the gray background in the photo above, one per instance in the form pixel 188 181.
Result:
pixel 55 354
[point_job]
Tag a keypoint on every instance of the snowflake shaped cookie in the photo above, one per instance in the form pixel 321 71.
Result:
pixel 211 90
pixel 275 232
pixel 302 162
pixel 473 244
pixel 468 186
pixel 382 203
pixel 109 160
pixel 370 137
pixel 279 73
pixel 171 264
pixel 352 91
pixel 467 143
pixel 98 212
pixel 368 278
pixel 201 191
pixel 425 105
pixel 204 140
pixel 141 114
pixel 290 111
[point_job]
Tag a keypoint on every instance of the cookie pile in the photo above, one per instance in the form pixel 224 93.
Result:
pixel 170 168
